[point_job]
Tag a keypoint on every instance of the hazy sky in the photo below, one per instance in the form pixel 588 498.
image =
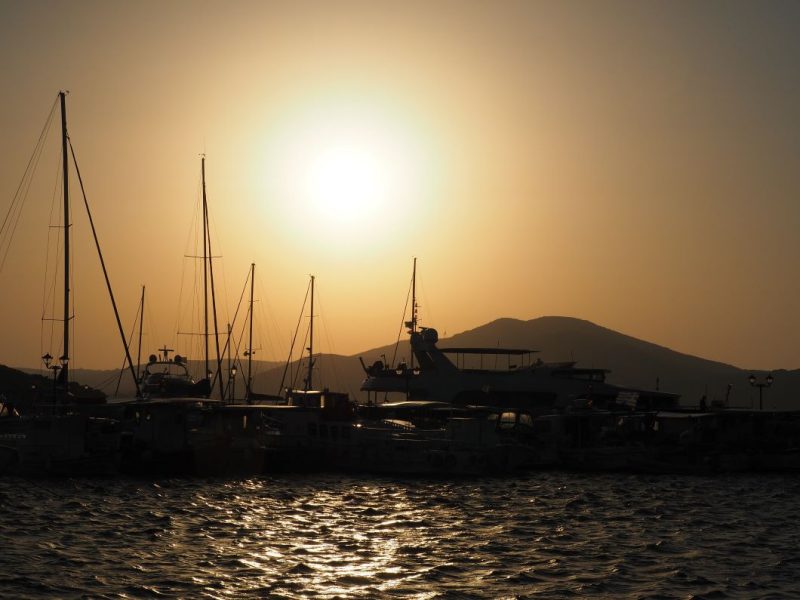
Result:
pixel 636 164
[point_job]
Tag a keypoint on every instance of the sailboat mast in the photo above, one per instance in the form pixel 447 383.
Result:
pixel 250 342
pixel 210 265
pixel 231 373
pixel 65 160
pixel 414 297
pixel 311 340
pixel 141 323
pixel 413 306
pixel 205 265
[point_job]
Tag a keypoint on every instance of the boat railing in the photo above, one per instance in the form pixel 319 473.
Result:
pixel 399 424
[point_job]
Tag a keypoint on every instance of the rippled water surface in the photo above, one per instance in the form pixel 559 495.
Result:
pixel 546 534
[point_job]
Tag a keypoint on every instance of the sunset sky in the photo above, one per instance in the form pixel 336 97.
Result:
pixel 636 164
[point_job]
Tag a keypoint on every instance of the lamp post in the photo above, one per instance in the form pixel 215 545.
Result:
pixel 233 384
pixel 64 361
pixel 761 385
pixel 47 358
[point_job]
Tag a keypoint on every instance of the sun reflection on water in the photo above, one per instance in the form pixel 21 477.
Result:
pixel 368 540
pixel 329 537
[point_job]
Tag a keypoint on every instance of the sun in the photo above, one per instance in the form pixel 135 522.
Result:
pixel 344 167
pixel 348 179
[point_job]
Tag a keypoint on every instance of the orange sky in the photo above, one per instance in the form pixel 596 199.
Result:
pixel 633 164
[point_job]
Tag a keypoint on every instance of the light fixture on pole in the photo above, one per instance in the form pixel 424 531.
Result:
pixel 48 359
pixel 761 385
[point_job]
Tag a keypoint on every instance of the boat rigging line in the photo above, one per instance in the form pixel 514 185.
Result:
pixel 403 323
pixel 13 214
pixel 138 319
pixel 294 340
pixel 102 264
pixel 228 337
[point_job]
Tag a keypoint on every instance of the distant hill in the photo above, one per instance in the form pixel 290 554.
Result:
pixel 634 362
pixel 22 387
pixel 631 361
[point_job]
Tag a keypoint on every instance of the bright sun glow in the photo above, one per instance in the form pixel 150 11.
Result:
pixel 347 179
pixel 349 168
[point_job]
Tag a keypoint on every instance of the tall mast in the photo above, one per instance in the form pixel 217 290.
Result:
pixel 141 324
pixel 65 357
pixel 311 339
pixel 250 342
pixel 414 297
pixel 413 305
pixel 205 265
pixel 231 373
pixel 209 261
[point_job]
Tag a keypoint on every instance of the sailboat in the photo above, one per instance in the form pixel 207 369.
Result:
pixel 175 427
pixel 251 396
pixel 59 437
pixel 169 377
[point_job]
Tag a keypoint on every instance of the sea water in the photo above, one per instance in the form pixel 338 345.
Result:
pixel 549 535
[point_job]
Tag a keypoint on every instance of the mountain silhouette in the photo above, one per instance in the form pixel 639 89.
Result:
pixel 631 361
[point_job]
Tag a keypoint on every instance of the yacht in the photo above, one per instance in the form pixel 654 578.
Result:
pixel 166 377
pixel 500 377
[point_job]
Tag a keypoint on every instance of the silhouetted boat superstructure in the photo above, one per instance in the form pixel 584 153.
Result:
pixel 437 438
pixel 521 383
pixel 165 377
pixel 494 376
pixel 55 441
pixel 194 436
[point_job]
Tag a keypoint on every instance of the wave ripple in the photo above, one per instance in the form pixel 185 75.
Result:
pixel 555 535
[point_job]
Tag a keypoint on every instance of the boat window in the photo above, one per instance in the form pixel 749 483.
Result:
pixel 526 419
pixel 244 421
pixel 507 420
